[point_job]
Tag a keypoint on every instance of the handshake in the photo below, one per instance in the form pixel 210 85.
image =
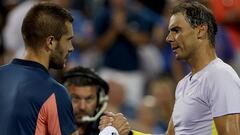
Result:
pixel 114 124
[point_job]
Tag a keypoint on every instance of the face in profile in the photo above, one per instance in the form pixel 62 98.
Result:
pixel 84 100
pixel 182 37
pixel 58 57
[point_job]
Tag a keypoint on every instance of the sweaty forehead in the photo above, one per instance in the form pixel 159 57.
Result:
pixel 177 20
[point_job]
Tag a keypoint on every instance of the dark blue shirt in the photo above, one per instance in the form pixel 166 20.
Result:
pixel 122 53
pixel 32 102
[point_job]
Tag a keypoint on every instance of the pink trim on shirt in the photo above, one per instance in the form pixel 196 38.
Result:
pixel 48 122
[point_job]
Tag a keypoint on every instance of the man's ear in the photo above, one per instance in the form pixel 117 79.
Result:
pixel 50 45
pixel 202 31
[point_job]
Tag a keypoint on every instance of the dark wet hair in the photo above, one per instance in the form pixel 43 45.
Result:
pixel 197 14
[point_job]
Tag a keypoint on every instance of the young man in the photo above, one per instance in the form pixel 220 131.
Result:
pixel 89 95
pixel 211 91
pixel 32 102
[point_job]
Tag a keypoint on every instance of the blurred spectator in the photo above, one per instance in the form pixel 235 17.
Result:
pixel 146 115
pixel 120 31
pixel 12 32
pixel 3 14
pixel 150 54
pixel 85 51
pixel 89 94
pixel 116 101
pixel 227 13
pixel 162 89
pixel 11 4
pixel 155 5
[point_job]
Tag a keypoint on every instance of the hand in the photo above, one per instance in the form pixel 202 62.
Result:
pixel 116 120
pixel 119 21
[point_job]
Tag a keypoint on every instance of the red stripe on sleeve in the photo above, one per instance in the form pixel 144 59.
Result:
pixel 48 122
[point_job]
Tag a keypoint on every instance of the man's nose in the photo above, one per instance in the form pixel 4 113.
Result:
pixel 169 38
pixel 71 48
pixel 82 105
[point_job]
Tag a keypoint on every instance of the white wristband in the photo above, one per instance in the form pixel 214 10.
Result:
pixel 109 130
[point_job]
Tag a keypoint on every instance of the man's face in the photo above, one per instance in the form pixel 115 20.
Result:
pixel 63 47
pixel 182 37
pixel 84 100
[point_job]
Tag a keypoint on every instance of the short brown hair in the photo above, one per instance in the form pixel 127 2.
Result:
pixel 43 20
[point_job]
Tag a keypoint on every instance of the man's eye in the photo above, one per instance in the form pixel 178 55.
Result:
pixel 89 99
pixel 75 99
pixel 176 30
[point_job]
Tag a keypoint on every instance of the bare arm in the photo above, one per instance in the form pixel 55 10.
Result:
pixel 228 124
pixel 170 130
pixel 107 39
pixel 117 26
pixel 137 38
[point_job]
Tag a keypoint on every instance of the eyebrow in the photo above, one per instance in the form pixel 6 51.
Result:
pixel 69 38
pixel 175 28
pixel 89 97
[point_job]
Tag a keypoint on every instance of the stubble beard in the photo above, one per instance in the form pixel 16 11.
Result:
pixel 56 61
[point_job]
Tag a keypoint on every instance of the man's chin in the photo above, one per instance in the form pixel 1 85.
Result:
pixel 178 57
pixel 79 122
pixel 79 119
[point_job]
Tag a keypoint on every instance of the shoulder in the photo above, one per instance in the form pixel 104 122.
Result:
pixel 184 79
pixel 222 80
pixel 61 93
pixel 57 88
pixel 220 71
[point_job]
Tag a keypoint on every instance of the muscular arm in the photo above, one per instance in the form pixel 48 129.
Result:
pixel 228 124
pixel 170 130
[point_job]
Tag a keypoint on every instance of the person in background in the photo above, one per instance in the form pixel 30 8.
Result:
pixel 162 88
pixel 3 14
pixel 120 31
pixel 89 94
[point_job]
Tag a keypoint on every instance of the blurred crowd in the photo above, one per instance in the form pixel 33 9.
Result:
pixel 124 41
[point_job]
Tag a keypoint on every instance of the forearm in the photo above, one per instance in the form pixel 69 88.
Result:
pixel 107 39
pixel 228 124
pixel 138 38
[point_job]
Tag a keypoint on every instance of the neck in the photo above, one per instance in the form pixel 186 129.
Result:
pixel 38 56
pixel 202 58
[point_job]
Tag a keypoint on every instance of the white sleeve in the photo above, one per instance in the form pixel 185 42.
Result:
pixel 109 130
pixel 224 87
